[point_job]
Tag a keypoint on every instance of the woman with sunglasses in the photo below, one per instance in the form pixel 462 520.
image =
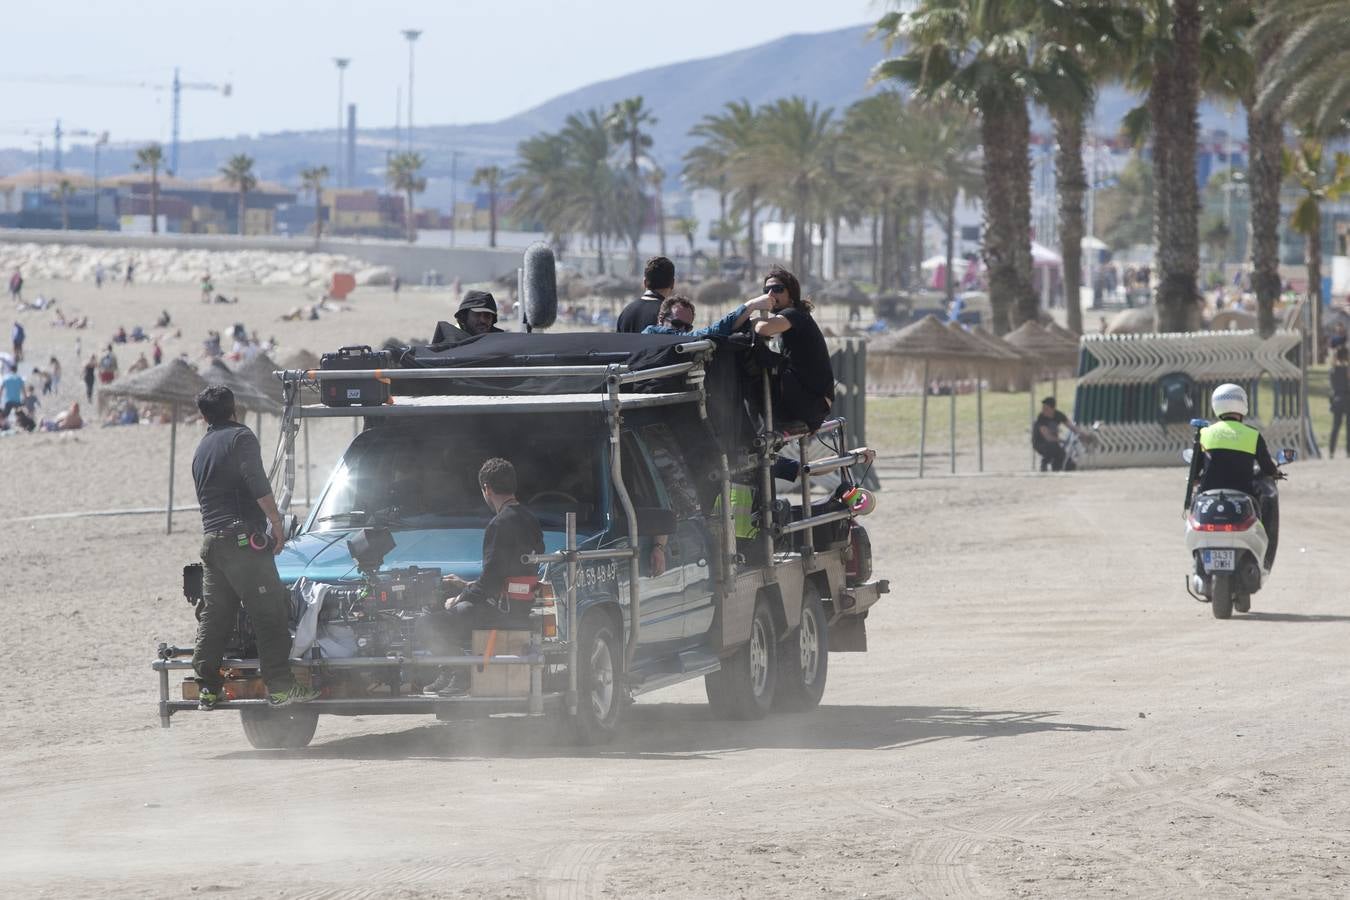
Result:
pixel 804 389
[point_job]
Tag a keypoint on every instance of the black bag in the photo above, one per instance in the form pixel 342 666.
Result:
pixel 363 391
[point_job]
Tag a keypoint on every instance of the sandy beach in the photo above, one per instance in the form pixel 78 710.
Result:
pixel 1043 712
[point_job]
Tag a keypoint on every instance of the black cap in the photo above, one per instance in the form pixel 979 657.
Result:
pixel 1048 401
pixel 475 300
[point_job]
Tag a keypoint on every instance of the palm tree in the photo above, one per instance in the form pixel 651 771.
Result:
pixel 949 163
pixel 1265 168
pixel 490 177
pixel 151 157
pixel 626 121
pixel 404 173
pixel 991 58
pixel 1306 167
pixel 657 179
pixel 539 185
pixel 687 226
pixel 791 159
pixel 875 140
pixel 63 191
pixel 598 199
pixel 312 178
pixel 723 161
pixel 238 173
pixel 1305 78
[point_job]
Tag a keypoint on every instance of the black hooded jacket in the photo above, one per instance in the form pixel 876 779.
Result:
pixel 477 300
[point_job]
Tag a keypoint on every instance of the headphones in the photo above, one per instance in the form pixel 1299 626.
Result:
pixel 859 501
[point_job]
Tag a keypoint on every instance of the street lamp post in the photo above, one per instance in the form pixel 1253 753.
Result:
pixel 98 142
pixel 412 34
pixel 342 63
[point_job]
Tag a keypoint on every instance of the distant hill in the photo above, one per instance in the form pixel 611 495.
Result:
pixel 830 68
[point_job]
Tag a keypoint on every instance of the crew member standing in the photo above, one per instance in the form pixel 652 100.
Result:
pixel 237 555
pixel 803 392
pixel 658 282
pixel 512 533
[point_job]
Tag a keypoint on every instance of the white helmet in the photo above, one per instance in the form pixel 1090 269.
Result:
pixel 1229 399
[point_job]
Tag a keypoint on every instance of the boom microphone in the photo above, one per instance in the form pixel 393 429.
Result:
pixel 540 289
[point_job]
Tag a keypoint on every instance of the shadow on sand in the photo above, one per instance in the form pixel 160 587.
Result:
pixel 682 731
pixel 1290 617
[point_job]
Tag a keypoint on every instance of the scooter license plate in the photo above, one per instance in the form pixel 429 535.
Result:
pixel 1219 560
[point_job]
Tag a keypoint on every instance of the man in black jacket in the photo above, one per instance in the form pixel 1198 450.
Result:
pixel 658 280
pixel 477 314
pixel 513 532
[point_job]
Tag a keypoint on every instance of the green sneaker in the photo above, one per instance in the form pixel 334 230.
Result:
pixel 208 699
pixel 296 693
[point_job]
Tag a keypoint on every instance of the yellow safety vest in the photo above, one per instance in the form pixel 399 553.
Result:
pixel 742 510
pixel 1229 435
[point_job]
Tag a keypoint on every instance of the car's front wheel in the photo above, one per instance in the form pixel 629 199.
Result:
pixel 278 729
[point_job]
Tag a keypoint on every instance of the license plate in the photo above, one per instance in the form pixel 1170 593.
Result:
pixel 1220 560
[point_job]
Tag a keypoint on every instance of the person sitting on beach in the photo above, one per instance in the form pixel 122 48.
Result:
pixel 163 320
pixel 138 334
pixel 23 420
pixel 139 365
pixel 67 420
pixel 120 337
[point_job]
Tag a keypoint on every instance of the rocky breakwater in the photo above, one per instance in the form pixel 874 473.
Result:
pixel 57 262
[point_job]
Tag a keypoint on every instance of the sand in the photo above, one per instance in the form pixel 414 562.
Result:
pixel 1043 712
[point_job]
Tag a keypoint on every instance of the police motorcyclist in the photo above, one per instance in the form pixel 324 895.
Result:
pixel 1230 447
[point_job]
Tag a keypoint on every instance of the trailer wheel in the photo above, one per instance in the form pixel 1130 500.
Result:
pixel 278 729
pixel 599 696
pixel 744 687
pixel 803 657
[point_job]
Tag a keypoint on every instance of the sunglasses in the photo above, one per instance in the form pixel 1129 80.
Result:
pixel 679 325
pixel 774 289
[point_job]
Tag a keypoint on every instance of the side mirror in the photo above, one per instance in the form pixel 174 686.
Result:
pixel 1188 454
pixel 1199 423
pixel 652 521
pixel 1286 455
pixel 290 524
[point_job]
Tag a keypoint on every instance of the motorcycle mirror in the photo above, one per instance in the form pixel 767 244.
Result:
pixel 1188 454
pixel 1286 455
pixel 1199 423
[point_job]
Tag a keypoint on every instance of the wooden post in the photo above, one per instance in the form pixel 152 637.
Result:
pixel 923 417
pixel 173 447
pixel 979 421
pixel 952 425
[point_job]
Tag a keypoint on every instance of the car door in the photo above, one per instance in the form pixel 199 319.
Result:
pixel 662 595
pixel 689 545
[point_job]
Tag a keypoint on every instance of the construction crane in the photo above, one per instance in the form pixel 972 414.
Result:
pixel 176 87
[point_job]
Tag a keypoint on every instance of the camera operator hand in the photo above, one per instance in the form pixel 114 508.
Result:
pixel 454 586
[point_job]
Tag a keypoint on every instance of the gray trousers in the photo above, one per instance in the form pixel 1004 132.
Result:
pixel 234 575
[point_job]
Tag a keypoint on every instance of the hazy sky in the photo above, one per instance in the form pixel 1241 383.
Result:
pixel 477 60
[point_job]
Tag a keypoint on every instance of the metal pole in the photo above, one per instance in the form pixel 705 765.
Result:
pixel 412 35
pixel 173 447
pixel 952 423
pixel 1031 399
pixel 803 447
pixel 308 501
pixel 1305 346
pixel 341 62
pixel 572 635
pixel 923 417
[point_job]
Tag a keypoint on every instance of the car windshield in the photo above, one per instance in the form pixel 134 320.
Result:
pixel 406 476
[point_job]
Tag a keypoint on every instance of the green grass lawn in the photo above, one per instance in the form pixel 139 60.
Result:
pixel 893 422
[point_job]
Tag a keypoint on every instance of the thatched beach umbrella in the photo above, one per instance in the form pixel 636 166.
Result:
pixel 246 395
pixel 260 373
pixel 300 359
pixel 717 293
pixel 931 348
pixel 174 383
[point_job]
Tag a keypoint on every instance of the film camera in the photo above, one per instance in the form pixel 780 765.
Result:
pixel 380 610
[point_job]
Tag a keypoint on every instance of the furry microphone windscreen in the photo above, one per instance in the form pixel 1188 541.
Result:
pixel 540 286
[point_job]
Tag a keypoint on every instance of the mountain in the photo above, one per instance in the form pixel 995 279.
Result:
pixel 830 68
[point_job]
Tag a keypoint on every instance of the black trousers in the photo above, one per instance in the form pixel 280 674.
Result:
pixel 1052 455
pixel 794 402
pixel 1340 413
pixel 449 632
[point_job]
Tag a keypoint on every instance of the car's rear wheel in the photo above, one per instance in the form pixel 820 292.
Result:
pixel 804 657
pixel 744 687
pixel 278 729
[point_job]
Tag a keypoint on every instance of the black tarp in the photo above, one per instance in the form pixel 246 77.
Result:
pixel 732 378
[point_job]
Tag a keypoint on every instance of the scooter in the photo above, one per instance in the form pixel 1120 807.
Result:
pixel 1230 550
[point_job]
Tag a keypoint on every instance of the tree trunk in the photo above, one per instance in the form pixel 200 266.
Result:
pixel 318 216
pixel 661 222
pixel 799 233
pixel 1314 258
pixel 492 217
pixel 1071 184
pixel 951 247
pixel 243 205
pixel 599 255
pixel 65 215
pixel 412 219
pixel 920 235
pixel 1004 129
pixel 751 247
pixel 154 201
pixel 721 228
pixel 834 248
pixel 887 245
pixel 1173 100
pixel 1265 135
pixel 876 252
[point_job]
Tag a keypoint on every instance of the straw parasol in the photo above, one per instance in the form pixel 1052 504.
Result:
pixel 260 373
pixel 842 292
pixel 174 383
pixel 610 287
pixel 936 350
pixel 300 359
pixel 246 395
pixel 717 293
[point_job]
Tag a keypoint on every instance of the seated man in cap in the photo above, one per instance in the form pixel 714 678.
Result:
pixel 676 316
pixel 477 314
